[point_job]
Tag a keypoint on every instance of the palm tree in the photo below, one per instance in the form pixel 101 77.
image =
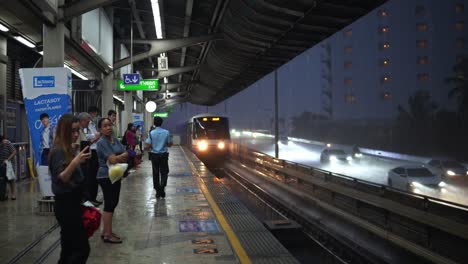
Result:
pixel 421 107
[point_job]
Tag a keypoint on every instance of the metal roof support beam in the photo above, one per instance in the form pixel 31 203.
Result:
pixel 173 71
pixel 80 7
pixel 170 86
pixel 188 19
pixel 162 45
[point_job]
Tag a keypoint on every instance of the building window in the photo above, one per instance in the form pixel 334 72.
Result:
pixel 423 60
pixel 385 79
pixel 423 77
pixel 348 33
pixel 384 29
pixel 460 25
pixel 384 45
pixel 420 10
pixel 350 98
pixel 383 13
pixel 385 62
pixel 348 64
pixel 460 43
pixel 421 27
pixel 348 49
pixel 459 8
pixel 387 96
pixel 348 81
pixel 421 44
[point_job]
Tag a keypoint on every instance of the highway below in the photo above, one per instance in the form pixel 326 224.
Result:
pixel 369 168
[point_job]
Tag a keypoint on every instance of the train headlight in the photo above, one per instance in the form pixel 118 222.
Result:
pixel 221 145
pixel 333 158
pixel 349 158
pixel 450 173
pixel 202 145
pixel 442 184
pixel 358 155
pixel 416 184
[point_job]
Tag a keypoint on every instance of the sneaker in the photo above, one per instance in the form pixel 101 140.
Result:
pixel 158 195
pixel 163 194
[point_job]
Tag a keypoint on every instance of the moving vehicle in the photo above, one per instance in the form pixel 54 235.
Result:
pixel 411 177
pixel 208 134
pixel 334 155
pixel 447 168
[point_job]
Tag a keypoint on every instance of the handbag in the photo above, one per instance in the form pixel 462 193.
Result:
pixel 10 172
pixel 91 219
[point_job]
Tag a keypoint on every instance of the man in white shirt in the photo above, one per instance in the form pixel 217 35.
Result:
pixel 89 136
pixel 47 136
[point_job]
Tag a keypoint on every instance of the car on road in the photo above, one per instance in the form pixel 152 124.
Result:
pixel 334 155
pixel 410 177
pixel 447 168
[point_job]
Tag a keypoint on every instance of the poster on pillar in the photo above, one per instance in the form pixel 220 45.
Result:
pixel 137 120
pixel 47 96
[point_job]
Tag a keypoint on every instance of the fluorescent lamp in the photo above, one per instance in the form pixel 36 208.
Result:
pixel 118 99
pixel 25 42
pixel 82 77
pixel 157 18
pixel 3 28
pixel 41 52
pixel 165 80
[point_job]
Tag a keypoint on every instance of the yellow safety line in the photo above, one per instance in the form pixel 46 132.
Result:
pixel 237 246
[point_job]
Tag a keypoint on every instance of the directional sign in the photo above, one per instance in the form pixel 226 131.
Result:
pixel 144 85
pixel 84 85
pixel 133 78
pixel 161 114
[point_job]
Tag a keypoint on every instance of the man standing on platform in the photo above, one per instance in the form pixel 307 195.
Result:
pixel 89 136
pixel 47 136
pixel 157 142
pixel 112 115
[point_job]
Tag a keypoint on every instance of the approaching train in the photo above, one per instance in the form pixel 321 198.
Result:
pixel 208 135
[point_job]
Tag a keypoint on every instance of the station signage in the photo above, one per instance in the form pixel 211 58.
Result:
pixel 144 85
pixel 161 114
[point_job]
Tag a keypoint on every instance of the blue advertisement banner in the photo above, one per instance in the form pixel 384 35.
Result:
pixel 50 102
pixel 198 226
pixel 47 96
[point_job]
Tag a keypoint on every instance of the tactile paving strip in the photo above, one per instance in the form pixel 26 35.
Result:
pixel 232 208
pixel 261 244
pixel 245 223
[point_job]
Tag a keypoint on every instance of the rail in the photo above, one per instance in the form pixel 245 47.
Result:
pixel 427 223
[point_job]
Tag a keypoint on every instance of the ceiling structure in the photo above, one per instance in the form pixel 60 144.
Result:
pixel 249 38
pixel 254 37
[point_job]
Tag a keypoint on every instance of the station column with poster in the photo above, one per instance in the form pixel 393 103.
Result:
pixel 45 91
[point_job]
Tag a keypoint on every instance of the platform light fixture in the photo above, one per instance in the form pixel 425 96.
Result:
pixel 118 99
pixel 25 41
pixel 79 75
pixel 157 18
pixel 151 106
pixel 4 28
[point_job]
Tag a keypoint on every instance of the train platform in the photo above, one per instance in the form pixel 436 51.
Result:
pixel 199 221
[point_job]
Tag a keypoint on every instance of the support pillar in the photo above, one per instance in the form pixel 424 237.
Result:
pixel 54 42
pixel 107 87
pixel 3 88
pixel 276 116
pixel 127 117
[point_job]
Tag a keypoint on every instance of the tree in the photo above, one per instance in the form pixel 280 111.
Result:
pixel 421 107
pixel 459 89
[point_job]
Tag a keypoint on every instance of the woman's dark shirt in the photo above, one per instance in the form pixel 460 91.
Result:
pixel 58 164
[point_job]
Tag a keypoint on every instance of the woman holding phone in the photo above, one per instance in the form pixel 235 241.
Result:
pixel 109 150
pixel 68 185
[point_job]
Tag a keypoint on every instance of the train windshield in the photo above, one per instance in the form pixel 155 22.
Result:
pixel 211 128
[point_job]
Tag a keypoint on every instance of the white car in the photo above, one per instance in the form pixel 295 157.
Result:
pixel 447 168
pixel 410 177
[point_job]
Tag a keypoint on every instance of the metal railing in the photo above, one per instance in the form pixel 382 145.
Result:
pixel 425 221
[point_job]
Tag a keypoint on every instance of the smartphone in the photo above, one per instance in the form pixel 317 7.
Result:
pixel 84 144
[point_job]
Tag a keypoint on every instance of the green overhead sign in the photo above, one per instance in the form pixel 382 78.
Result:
pixel 144 85
pixel 161 114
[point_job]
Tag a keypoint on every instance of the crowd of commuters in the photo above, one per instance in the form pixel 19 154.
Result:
pixel 78 151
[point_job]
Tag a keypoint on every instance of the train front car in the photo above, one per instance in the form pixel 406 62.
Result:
pixel 209 136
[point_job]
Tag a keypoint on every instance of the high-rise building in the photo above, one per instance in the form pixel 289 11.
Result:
pixel 403 46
